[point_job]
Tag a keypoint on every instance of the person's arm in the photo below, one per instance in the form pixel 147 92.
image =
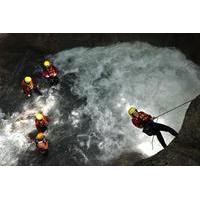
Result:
pixel 45 122
pixel 56 70
pixel 45 74
pixel 35 85
pixel 24 88
pixel 151 117
pixel 46 118
pixel 136 122
pixel 27 92
pixel 37 125
pixel 36 141
pixel 45 140
pixel 147 116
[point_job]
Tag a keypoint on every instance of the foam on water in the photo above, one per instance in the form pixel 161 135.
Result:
pixel 14 129
pixel 115 77
pixel 112 79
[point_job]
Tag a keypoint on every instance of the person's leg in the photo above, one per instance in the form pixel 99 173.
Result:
pixel 161 139
pixel 148 129
pixel 53 81
pixel 162 127
pixel 56 80
pixel 43 129
pixel 50 81
pixel 37 91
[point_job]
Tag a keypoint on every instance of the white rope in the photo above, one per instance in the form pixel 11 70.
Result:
pixel 153 136
pixel 174 108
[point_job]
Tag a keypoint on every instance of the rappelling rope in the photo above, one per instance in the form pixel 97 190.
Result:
pixel 153 137
pixel 152 142
pixel 169 112
pixel 174 108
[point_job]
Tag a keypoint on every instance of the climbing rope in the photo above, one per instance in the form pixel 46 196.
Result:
pixel 174 108
pixel 152 142
pixel 169 112
pixel 153 138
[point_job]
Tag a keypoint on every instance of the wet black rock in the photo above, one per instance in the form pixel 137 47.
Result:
pixel 126 159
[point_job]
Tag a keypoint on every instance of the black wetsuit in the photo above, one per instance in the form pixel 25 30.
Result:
pixel 153 128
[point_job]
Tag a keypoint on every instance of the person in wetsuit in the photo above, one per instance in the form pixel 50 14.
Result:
pixel 145 121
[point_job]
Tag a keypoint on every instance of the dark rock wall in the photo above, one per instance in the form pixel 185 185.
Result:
pixel 51 43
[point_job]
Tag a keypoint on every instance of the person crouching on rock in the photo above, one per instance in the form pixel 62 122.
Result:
pixel 29 85
pixel 50 72
pixel 145 121
pixel 41 122
pixel 41 143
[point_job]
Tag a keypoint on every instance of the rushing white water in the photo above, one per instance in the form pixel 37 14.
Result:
pixel 112 78
pixel 115 77
pixel 14 130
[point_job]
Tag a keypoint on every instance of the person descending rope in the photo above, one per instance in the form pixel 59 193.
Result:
pixel 41 122
pixel 41 143
pixel 145 121
pixel 50 72
pixel 29 85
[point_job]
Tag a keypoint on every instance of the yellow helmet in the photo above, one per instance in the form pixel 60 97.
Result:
pixel 40 136
pixel 39 116
pixel 27 79
pixel 131 111
pixel 47 63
